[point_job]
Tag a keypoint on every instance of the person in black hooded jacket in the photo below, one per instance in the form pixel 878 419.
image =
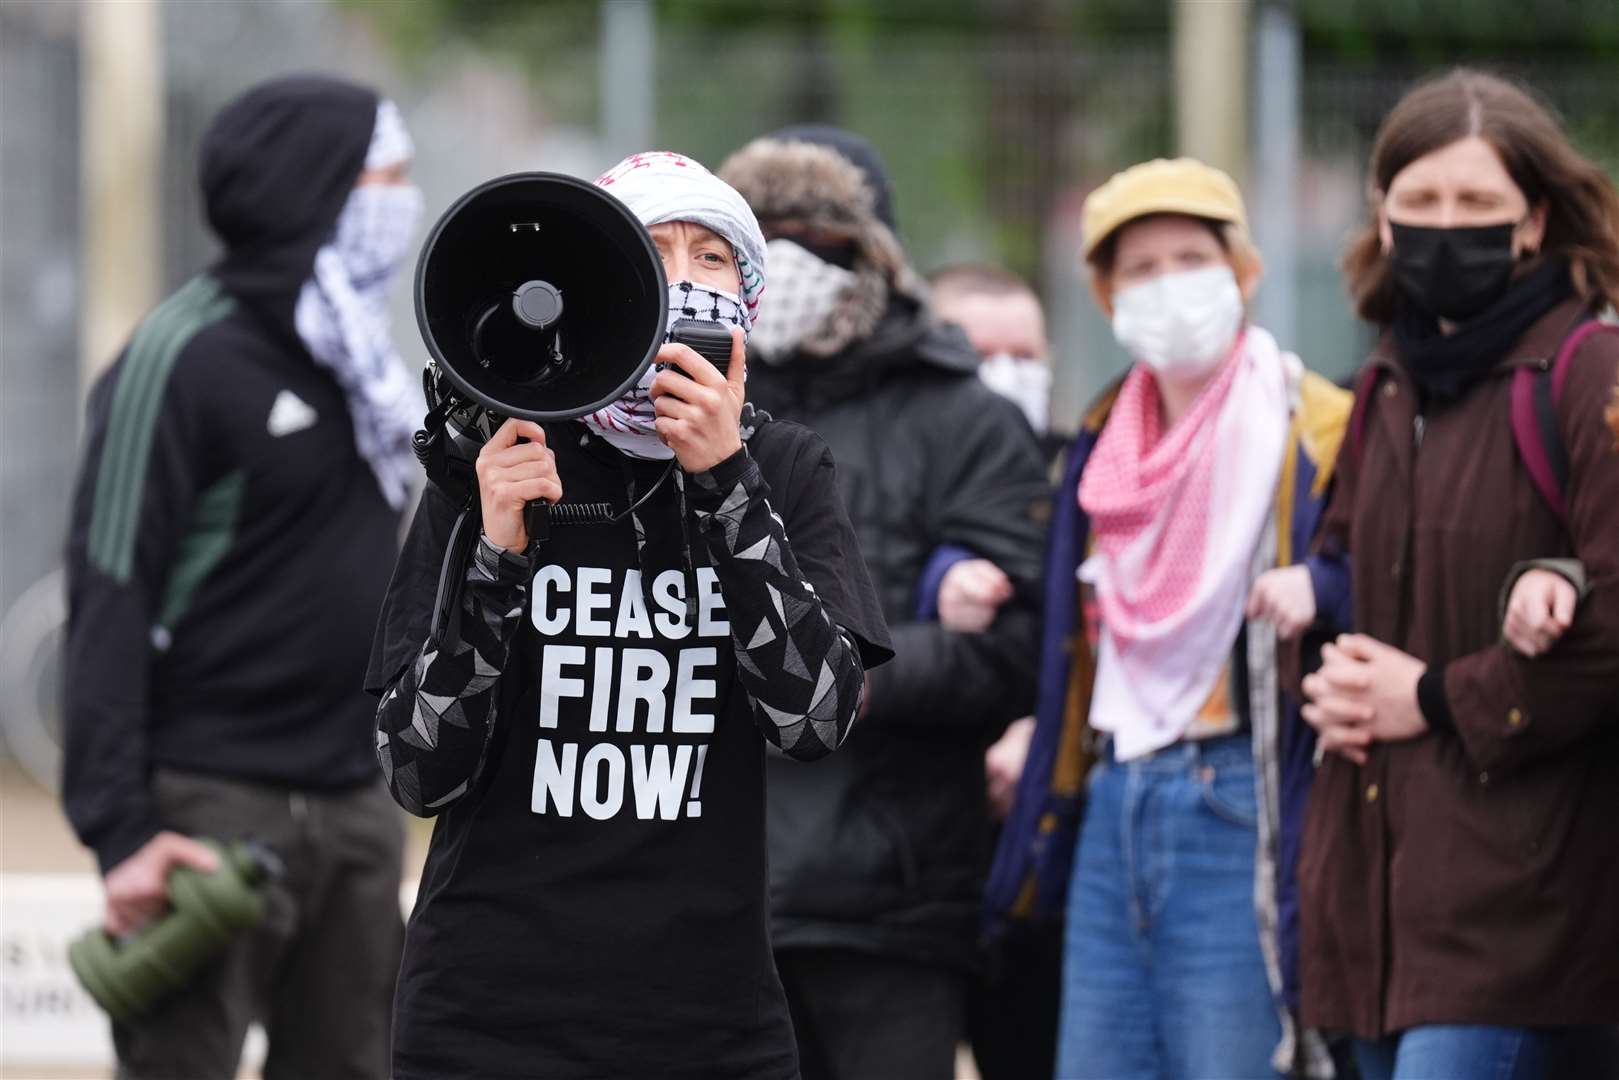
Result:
pixel 878 856
pixel 234 522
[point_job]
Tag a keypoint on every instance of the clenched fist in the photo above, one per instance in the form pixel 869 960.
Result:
pixel 512 474
pixel 1540 610
pixel 1285 598
pixel 138 888
pixel 700 410
pixel 971 595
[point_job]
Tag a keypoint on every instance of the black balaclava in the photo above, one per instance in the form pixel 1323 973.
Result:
pixel 276 166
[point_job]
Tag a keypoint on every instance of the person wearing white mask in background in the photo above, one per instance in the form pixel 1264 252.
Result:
pixel 1002 317
pixel 1012 1006
pixel 1007 327
pixel 246 462
pixel 1176 561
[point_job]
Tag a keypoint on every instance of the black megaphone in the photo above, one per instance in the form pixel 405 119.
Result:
pixel 539 296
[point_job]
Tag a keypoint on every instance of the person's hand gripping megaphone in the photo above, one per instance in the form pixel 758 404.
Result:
pixel 514 468
pixel 699 409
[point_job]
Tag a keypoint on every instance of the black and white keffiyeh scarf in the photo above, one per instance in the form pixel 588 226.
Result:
pixel 342 311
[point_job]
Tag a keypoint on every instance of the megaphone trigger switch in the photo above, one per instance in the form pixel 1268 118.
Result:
pixel 537 304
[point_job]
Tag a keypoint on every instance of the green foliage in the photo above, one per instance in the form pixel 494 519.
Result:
pixel 1445 31
pixel 989 111
pixel 517 27
pixel 1429 31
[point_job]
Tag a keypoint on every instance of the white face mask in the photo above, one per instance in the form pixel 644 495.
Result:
pixel 1025 382
pixel 1181 324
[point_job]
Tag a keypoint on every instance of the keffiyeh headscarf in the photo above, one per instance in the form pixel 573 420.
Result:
pixel 659 186
pixel 342 310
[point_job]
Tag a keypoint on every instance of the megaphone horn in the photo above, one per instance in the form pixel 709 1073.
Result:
pixel 540 296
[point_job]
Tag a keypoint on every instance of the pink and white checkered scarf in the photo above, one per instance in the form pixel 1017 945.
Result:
pixel 1177 516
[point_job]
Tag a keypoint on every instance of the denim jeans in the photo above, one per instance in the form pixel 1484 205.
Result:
pixel 1162 974
pixel 1482 1052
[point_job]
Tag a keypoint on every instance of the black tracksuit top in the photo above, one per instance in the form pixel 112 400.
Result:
pixel 228 548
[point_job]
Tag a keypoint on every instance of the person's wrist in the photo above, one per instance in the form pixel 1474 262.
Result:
pixel 502 563
pixel 722 475
pixel 498 544
pixel 1432 704
pixel 124 840
pixel 709 462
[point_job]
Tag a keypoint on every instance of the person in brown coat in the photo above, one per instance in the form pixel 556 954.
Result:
pixel 1460 875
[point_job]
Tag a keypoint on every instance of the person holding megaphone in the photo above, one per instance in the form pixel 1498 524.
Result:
pixel 588 719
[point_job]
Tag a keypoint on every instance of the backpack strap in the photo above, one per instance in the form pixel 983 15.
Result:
pixel 1535 427
pixel 1365 390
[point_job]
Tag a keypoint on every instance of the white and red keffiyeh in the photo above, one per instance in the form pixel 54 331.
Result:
pixel 658 186
pixel 1176 516
pixel 631 422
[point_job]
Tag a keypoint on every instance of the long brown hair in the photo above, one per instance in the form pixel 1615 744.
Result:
pixel 1582 220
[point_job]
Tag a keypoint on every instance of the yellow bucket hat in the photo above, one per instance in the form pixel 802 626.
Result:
pixel 1161 186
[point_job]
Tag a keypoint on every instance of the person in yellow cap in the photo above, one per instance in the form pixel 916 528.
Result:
pixel 1177 559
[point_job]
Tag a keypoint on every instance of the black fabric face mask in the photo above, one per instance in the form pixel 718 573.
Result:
pixel 1453 273
pixel 1447 366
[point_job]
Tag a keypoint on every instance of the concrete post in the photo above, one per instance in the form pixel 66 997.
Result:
pixel 1211 100
pixel 121 118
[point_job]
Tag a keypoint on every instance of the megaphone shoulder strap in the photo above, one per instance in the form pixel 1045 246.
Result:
pixel 452 572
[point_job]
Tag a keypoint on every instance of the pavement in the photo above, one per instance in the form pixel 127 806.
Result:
pixel 35 839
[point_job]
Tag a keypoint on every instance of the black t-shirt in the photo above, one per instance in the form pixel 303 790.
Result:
pixel 597 904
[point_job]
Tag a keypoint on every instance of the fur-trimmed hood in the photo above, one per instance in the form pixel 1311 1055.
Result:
pixel 792 179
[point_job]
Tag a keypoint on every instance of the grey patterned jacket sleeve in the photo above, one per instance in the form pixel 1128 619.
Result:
pixel 802 672
pixel 434 722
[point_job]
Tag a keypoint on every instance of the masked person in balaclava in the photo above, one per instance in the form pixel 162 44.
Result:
pixel 877 859
pixel 591 724
pixel 234 518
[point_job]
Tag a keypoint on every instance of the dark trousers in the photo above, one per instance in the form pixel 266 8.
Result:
pixel 860 1016
pixel 1013 1007
pixel 319 971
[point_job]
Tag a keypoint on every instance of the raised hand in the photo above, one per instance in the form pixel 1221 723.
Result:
pixel 700 410
pixel 512 474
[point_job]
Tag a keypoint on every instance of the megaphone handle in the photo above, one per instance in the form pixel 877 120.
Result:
pixel 537 520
